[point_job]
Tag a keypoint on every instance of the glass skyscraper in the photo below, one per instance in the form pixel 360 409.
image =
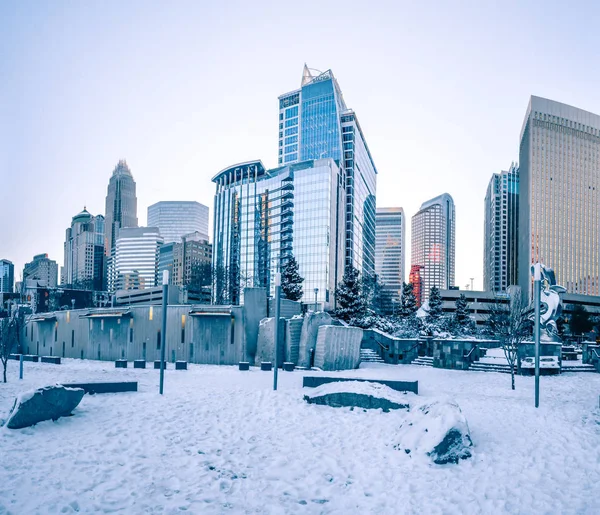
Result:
pixel 263 217
pixel 7 276
pixel 175 219
pixel 315 123
pixel 389 254
pixel 559 208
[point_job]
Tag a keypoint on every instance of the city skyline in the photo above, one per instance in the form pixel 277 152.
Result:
pixel 170 130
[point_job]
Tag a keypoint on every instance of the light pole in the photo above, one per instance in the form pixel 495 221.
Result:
pixel 537 283
pixel 472 278
pixel 163 332
pixel 276 329
pixel 316 293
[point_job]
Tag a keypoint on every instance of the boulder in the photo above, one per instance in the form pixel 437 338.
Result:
pixel 359 394
pixel 437 429
pixel 48 403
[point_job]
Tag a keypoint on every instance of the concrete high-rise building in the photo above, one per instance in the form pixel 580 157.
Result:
pixel 188 262
pixel 84 253
pixel 174 219
pixel 433 244
pixel 559 208
pixel 135 259
pixel 263 217
pixel 121 205
pixel 389 253
pixel 315 123
pixel 42 269
pixel 500 231
pixel 7 276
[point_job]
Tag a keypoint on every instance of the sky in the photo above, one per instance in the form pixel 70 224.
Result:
pixel 182 90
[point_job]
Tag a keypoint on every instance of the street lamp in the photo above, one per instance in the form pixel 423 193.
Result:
pixel 163 335
pixel 276 328
pixel 316 293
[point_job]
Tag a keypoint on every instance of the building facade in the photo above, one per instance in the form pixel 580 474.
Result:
pixel 389 254
pixel 500 231
pixel 189 262
pixel 559 218
pixel 175 219
pixel 135 259
pixel 7 276
pixel 43 269
pixel 121 205
pixel 84 253
pixel 315 123
pixel 433 232
pixel 264 217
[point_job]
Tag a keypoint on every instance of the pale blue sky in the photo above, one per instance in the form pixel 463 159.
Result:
pixel 183 89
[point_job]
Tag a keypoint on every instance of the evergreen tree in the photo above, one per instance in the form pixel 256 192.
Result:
pixel 435 303
pixel 291 280
pixel 461 315
pixel 408 306
pixel 580 322
pixel 372 293
pixel 349 295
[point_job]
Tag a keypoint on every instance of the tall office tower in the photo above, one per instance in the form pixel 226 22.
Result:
pixel 500 231
pixel 121 205
pixel 263 217
pixel 177 218
pixel 189 262
pixel 414 278
pixel 135 259
pixel 84 253
pixel 42 269
pixel 559 215
pixel 432 237
pixel 389 254
pixel 314 123
pixel 7 276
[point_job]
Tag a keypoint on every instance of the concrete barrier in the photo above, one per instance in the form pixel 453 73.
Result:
pixel 139 363
pixel 266 366
pixel 400 386
pixel 157 364
pixel 31 357
pixel 55 360
pixel 308 338
pixel 121 363
pixel 181 365
pixel 338 348
pixel 288 367
pixel 116 387
pixel 244 365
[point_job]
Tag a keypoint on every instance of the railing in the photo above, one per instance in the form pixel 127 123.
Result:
pixel 468 355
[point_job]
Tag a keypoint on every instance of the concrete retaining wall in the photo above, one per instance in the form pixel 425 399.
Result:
pixel 265 348
pixel 527 350
pixel 455 354
pixel 293 333
pixel 308 338
pixel 338 348
pixel 391 349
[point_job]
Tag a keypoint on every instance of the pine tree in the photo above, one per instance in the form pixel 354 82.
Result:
pixel 408 306
pixel 461 314
pixel 291 280
pixel 435 303
pixel 349 295
pixel 372 293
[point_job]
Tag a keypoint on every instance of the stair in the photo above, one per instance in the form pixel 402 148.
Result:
pixel 370 356
pixel 578 368
pixel 502 368
pixel 423 361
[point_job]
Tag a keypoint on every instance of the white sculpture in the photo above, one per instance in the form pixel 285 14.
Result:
pixel 550 305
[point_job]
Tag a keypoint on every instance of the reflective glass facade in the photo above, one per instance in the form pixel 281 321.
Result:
pixel 264 217
pixel 389 256
pixel 559 215
pixel 175 219
pixel 7 276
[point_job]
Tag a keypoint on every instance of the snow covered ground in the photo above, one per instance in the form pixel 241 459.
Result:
pixel 221 441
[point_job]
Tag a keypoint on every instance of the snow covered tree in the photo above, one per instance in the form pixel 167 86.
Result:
pixel 372 293
pixel 291 280
pixel 435 303
pixel 579 321
pixel 348 296
pixel 408 306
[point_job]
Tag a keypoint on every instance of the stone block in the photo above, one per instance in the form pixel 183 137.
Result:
pixel 121 363
pixel 266 366
pixel 157 365
pixel 399 386
pixel 181 365
pixel 139 363
pixel 266 337
pixel 55 360
pixel 31 357
pixel 244 365
pixel 288 367
pixel 308 338
pixel 114 387
pixel 293 333
pixel 338 348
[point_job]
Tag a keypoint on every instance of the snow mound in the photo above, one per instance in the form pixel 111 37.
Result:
pixel 359 394
pixel 437 429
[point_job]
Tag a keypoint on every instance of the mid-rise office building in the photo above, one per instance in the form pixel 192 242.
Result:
pixel 175 219
pixel 433 232
pixel 7 276
pixel 389 253
pixel 121 205
pixel 188 262
pixel 135 259
pixel 84 253
pixel 42 269
pixel 315 123
pixel 500 231
pixel 559 215
pixel 263 217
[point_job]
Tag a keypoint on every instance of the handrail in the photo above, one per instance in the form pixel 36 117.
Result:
pixel 471 351
pixel 383 346
pixel 596 353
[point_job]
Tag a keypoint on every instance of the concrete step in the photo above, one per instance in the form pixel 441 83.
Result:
pixel 491 367
pixel 423 361
pixel 370 356
pixel 578 368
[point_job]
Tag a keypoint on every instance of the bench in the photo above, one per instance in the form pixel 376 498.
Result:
pixel 139 363
pixel 181 365
pixel 157 364
pixel 244 365
pixel 288 366
pixel 400 386
pixel 92 388
pixel 55 360
pixel 121 363
pixel 266 366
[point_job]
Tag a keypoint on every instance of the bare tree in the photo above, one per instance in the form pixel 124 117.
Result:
pixel 10 337
pixel 508 321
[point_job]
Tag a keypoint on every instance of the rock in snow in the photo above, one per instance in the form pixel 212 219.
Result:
pixel 359 394
pixel 439 429
pixel 49 403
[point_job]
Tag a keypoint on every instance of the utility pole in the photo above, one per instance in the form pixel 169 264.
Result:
pixel 537 276
pixel 163 332
pixel 276 329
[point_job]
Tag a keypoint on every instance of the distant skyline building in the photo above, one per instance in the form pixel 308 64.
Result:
pixel 314 123
pixel 501 211
pixel 43 269
pixel 174 219
pixel 389 253
pixel 188 262
pixel 7 276
pixel 433 231
pixel 121 204
pixel 263 217
pixel 84 259
pixel 135 259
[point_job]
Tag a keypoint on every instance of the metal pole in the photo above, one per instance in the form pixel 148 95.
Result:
pixel 536 300
pixel 163 333
pixel 276 329
pixel 316 292
pixel 21 366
